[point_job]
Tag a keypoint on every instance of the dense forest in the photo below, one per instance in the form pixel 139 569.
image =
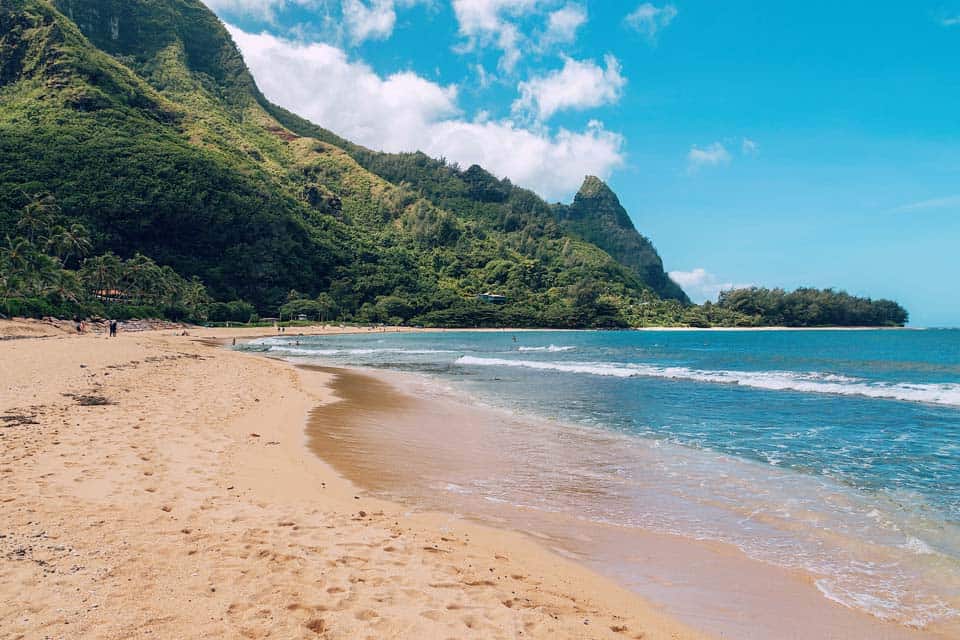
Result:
pixel 811 308
pixel 143 173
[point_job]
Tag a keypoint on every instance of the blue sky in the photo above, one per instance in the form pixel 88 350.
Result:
pixel 778 144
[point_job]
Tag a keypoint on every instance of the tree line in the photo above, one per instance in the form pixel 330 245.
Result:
pixel 47 269
pixel 807 307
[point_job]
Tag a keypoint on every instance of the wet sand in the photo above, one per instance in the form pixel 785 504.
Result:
pixel 156 486
pixel 422 451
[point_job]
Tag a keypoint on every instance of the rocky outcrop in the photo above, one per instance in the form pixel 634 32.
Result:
pixel 597 216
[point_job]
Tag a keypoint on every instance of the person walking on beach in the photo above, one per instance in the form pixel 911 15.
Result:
pixel 113 328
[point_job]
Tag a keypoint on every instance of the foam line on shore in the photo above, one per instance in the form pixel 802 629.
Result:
pixel 947 394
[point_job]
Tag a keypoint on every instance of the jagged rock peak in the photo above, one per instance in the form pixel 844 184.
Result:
pixel 597 200
pixel 594 187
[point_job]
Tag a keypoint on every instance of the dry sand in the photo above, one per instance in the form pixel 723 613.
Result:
pixel 157 486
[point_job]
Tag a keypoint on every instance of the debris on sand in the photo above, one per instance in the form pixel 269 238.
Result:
pixel 87 400
pixel 17 420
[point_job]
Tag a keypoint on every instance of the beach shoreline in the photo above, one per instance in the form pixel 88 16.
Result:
pixel 381 426
pixel 237 429
pixel 160 485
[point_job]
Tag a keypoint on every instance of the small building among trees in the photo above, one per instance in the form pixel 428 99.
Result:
pixel 492 298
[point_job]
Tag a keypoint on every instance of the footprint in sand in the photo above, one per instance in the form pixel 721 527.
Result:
pixel 317 625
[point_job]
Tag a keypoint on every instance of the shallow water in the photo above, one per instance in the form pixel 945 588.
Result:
pixel 833 453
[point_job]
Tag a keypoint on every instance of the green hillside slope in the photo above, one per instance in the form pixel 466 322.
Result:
pixel 140 119
pixel 597 216
pixel 135 166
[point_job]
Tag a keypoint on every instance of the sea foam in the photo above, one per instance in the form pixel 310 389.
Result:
pixel 294 350
pixel 809 382
pixel 551 349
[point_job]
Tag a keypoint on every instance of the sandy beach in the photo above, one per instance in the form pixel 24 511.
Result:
pixel 394 434
pixel 156 485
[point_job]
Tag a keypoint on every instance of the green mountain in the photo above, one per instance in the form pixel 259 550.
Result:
pixel 141 167
pixel 597 216
pixel 141 121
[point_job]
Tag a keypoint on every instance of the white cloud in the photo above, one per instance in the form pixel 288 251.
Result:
pixel 497 24
pixel 749 147
pixel 321 83
pixel 552 164
pixel 710 156
pixel 373 21
pixel 701 285
pixel 481 17
pixel 484 79
pixel 578 85
pixel 486 23
pixel 950 21
pixel 262 9
pixel 405 112
pixel 360 20
pixel 562 25
pixel 649 19
pixel 935 203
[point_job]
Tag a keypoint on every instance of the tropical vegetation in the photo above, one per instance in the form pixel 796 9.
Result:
pixel 143 172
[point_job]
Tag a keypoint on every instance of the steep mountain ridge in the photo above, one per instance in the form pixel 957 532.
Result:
pixel 597 216
pixel 139 32
pixel 140 117
pixel 115 152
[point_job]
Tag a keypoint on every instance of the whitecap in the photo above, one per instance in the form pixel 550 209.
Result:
pixel 805 382
pixel 550 349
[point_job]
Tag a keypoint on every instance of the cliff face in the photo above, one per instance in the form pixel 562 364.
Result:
pixel 597 216
pixel 139 32
pixel 142 120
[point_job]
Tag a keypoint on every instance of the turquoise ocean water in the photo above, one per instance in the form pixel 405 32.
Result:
pixel 834 452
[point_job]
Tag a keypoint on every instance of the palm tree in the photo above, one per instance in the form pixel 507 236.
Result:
pixel 16 265
pixel 38 216
pixel 326 306
pixel 66 286
pixel 7 274
pixel 14 253
pixel 38 272
pixel 169 286
pixel 101 273
pixel 195 299
pixel 69 242
pixel 141 277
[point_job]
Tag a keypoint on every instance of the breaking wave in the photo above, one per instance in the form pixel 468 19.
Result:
pixel 812 382
pixel 551 349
